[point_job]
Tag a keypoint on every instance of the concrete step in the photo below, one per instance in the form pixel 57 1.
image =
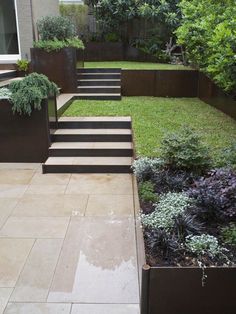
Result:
pixel 98 96
pixel 95 76
pixel 91 135
pixel 98 70
pixel 91 149
pixel 87 165
pixel 83 123
pixel 99 82
pixel 99 89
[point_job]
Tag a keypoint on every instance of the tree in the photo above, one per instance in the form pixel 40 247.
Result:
pixel 208 32
pixel 114 15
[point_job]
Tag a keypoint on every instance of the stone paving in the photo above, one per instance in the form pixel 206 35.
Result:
pixel 67 243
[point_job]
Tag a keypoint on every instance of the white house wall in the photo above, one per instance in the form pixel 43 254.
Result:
pixel 27 22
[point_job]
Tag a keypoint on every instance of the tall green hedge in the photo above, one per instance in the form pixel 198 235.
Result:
pixel 208 32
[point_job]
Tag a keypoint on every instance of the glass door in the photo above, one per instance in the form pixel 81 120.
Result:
pixel 9 46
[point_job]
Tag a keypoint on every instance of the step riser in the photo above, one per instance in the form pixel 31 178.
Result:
pixel 90 152
pixel 99 83
pixel 98 76
pixel 91 138
pixel 99 70
pixel 94 125
pixel 85 169
pixel 103 90
pixel 99 97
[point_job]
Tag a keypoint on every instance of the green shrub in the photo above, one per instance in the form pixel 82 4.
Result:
pixel 147 192
pixel 170 206
pixel 5 93
pixel 27 94
pixel 208 34
pixel 204 244
pixel 55 27
pixel 56 45
pixel 183 150
pixel 229 234
pixel 22 65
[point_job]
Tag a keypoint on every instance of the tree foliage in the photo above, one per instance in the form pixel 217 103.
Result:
pixel 114 15
pixel 208 32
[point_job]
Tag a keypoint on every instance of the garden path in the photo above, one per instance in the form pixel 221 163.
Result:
pixel 67 243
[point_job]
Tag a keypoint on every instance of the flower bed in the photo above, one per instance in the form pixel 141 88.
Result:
pixel 188 214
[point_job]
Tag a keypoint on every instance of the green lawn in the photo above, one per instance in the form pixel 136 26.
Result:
pixel 153 117
pixel 135 65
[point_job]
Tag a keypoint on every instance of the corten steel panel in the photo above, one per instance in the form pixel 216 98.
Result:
pixel 176 83
pixel 52 112
pixel 80 58
pixel 159 83
pixel 214 96
pixel 179 290
pixel 23 138
pixel 138 82
pixel 58 66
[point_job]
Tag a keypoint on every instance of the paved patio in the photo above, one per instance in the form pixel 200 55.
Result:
pixel 67 243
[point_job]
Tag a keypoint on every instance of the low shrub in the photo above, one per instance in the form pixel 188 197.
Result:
pixel 186 224
pixel 161 243
pixel 228 234
pixel 147 192
pixel 5 93
pixel 22 65
pixel 56 33
pixel 169 180
pixel 204 244
pixel 145 167
pixel 215 196
pixel 166 210
pixel 28 93
pixel 55 27
pixel 57 45
pixel 183 150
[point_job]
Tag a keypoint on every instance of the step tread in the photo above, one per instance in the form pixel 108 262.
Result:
pixel 97 95
pixel 103 161
pixel 99 80
pixel 91 145
pixel 99 73
pixel 98 86
pixel 95 119
pixel 90 131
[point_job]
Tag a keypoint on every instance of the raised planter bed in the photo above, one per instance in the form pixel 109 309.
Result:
pixel 24 138
pixel 171 290
pixel 58 66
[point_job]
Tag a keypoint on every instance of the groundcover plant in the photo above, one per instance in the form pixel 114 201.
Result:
pixel 188 207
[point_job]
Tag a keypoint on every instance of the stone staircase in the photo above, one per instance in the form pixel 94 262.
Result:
pixel 91 145
pixel 99 84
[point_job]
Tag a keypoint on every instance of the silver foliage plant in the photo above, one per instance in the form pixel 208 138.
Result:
pixel 144 167
pixel 204 244
pixel 5 93
pixel 166 210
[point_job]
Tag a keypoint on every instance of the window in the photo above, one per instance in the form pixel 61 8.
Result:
pixel 8 29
